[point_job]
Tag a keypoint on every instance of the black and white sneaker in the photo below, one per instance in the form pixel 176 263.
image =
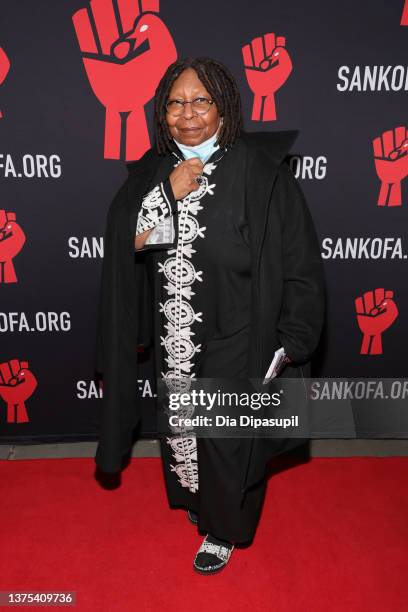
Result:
pixel 193 517
pixel 213 555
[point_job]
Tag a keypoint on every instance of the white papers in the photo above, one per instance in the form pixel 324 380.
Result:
pixel 163 233
pixel 276 365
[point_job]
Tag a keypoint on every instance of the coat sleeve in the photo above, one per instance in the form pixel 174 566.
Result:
pixel 158 212
pixel 158 204
pixel 303 302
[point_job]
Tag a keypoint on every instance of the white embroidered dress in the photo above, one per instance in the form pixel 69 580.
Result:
pixel 178 223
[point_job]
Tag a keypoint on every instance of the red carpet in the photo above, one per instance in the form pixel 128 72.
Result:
pixel 333 536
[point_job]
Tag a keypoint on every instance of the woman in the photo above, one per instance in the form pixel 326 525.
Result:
pixel 211 258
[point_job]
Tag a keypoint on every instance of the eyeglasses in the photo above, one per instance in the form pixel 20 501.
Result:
pixel 201 106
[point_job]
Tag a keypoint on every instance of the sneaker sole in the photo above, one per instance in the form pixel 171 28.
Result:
pixel 208 572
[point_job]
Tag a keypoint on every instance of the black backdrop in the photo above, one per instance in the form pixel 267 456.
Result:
pixel 52 119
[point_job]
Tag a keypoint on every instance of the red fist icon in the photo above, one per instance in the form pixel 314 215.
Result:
pixel 267 67
pixel 125 54
pixel 12 239
pixel 404 17
pixel 376 311
pixel 17 384
pixel 4 68
pixel 391 163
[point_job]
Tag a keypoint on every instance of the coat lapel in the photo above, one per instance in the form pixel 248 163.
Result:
pixel 266 151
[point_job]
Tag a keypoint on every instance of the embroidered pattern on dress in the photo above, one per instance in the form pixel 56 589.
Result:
pixel 181 274
pixel 155 207
pixel 222 552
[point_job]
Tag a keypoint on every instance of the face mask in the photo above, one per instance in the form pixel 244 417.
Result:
pixel 204 150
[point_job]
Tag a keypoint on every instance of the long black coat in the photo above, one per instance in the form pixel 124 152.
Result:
pixel 288 292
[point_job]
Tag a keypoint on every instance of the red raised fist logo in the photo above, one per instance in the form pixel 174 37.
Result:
pixel 391 163
pixel 17 384
pixel 4 68
pixel 12 239
pixel 267 67
pixel 125 54
pixel 376 311
pixel 404 17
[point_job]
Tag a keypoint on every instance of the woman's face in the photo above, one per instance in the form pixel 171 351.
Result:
pixel 190 128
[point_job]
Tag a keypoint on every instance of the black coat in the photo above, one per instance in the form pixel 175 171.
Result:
pixel 288 292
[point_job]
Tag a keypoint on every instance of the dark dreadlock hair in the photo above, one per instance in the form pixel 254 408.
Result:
pixel 221 86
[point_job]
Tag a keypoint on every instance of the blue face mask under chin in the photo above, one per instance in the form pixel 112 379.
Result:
pixel 204 150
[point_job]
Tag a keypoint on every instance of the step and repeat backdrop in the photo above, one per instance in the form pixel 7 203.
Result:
pixel 76 104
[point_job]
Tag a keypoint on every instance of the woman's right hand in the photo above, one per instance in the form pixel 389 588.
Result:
pixel 182 179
